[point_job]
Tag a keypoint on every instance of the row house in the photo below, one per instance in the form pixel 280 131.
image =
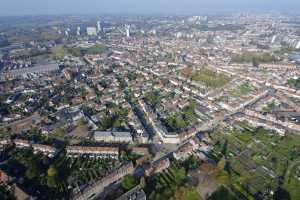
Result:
pixel 95 189
pixel 45 149
pixel 22 143
pixel 185 150
pixel 157 167
pixel 93 152
pixel 109 136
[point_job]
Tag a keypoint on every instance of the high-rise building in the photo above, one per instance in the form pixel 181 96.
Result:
pixel 273 39
pixel 67 31
pixel 297 45
pixel 99 28
pixel 127 28
pixel 78 31
pixel 92 31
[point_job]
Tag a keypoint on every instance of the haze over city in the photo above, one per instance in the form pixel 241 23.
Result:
pixel 37 7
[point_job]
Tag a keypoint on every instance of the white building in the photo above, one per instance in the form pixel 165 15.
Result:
pixel 108 136
pixel 78 31
pixel 127 28
pixel 99 28
pixel 298 45
pixel 45 149
pixel 91 31
pixel 93 152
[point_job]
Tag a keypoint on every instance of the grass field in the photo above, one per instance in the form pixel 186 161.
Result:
pixel 58 52
pixel 210 79
pixel 97 49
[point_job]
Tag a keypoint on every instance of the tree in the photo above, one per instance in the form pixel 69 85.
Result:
pixel 81 122
pixel 224 148
pixel 186 193
pixel 224 178
pixel 143 182
pixel 58 133
pixel 191 163
pixel 222 193
pixel 58 52
pixel 4 133
pixel 51 171
pixel 221 164
pixel 294 82
pixel 255 62
pixel 5 193
pixel 82 92
pixel 281 194
pixel 179 176
pixel 129 181
pixel 32 171
pixel 51 182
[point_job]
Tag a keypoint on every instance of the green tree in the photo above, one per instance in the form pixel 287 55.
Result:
pixel 186 193
pixel 255 62
pixel 58 52
pixel 222 193
pixel 58 133
pixel 51 182
pixel 5 193
pixel 32 171
pixel 224 148
pixel 179 176
pixel 51 172
pixel 221 164
pixel 191 163
pixel 281 194
pixel 81 122
pixel 129 181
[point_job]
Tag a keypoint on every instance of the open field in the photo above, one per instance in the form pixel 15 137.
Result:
pixel 210 78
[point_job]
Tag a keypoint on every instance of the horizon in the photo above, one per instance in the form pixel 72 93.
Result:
pixel 135 7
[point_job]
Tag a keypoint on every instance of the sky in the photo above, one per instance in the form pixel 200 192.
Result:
pixel 53 7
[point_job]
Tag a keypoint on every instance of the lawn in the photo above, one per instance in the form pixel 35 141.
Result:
pixel 210 78
pixel 97 49
pixel 58 52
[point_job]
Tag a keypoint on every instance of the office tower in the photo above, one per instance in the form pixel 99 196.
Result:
pixel 91 31
pixel 127 28
pixel 273 39
pixel 99 28
pixel 78 31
